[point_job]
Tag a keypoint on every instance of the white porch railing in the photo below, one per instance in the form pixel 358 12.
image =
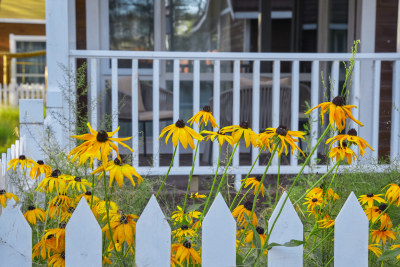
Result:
pixel 158 73
pixel 11 93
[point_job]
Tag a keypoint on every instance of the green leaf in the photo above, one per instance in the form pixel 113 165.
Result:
pixel 193 207
pixel 271 245
pixel 294 243
pixel 389 254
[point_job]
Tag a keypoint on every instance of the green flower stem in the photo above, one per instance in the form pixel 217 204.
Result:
pixel 211 191
pixel 291 189
pixel 319 243
pixel 191 171
pixel 329 262
pixel 91 198
pixel 169 169
pixel 244 196
pixel 245 179
pixel 256 195
pixel 277 180
pixel 226 168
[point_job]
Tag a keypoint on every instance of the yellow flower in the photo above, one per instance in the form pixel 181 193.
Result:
pixel 256 183
pixel 39 168
pixel 32 213
pixel 101 208
pixel 118 170
pixel 54 180
pixel 182 232
pixel 373 213
pixel 179 217
pixel 57 259
pixel 318 191
pixel 97 145
pixel 394 247
pixel 88 197
pixel 326 222
pixel 66 215
pixel 242 130
pixel 182 133
pixel 369 199
pixel 185 252
pixel 393 194
pixel 221 137
pixel 313 202
pixel 46 244
pixel 382 233
pixel 197 195
pixel 351 138
pixel 58 233
pixel 123 228
pixel 241 210
pixel 261 233
pixel 338 112
pixel 285 137
pixel 341 152
pixel 205 115
pixel 4 196
pixel 375 249
pixel 78 183
pixel 23 161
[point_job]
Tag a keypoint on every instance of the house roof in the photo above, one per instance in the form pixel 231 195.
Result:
pixel 18 11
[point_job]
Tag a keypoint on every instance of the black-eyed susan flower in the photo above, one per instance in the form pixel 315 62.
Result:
pixel 38 168
pixel 205 115
pixel 78 183
pixel 118 171
pixel 220 136
pixel 54 180
pixel 97 145
pixel 351 138
pixel 197 196
pixel 46 244
pixel 183 231
pixel 23 161
pixel 242 130
pixel 326 222
pixel 241 210
pixel 338 112
pixel 185 252
pixel 101 208
pixel 34 213
pixel 57 259
pixel 341 152
pixel 250 234
pixel 319 191
pixel 123 228
pixel 179 217
pixel 284 136
pixel 375 249
pixel 62 200
pixel 394 247
pixel 180 133
pixel 58 233
pixel 88 196
pixel 393 194
pixel 4 196
pixel 313 202
pixel 382 233
pixel 66 215
pixel 373 213
pixel 370 198
pixel 256 183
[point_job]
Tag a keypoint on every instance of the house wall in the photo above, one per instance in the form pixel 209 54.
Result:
pixel 18 29
pixel 385 41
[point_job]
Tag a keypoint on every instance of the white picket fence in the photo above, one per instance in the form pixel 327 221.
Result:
pixel 83 238
pixel 11 93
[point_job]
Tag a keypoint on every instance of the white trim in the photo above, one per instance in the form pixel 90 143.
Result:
pixel 338 26
pixel 247 15
pixel 309 26
pixel 23 21
pixel 281 15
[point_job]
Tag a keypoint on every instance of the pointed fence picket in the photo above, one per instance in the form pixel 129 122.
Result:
pixel 153 236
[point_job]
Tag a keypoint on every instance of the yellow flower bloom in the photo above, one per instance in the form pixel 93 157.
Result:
pixel 4 196
pixel 101 208
pixel 88 197
pixel 97 145
pixel 46 244
pixel 66 215
pixel 393 194
pixel 261 233
pixel 185 252
pixel 197 195
pixel 369 199
pixel 123 228
pixel 57 259
pixel 351 138
pixel 318 191
pixel 182 232
pixel 220 136
pixel 382 233
pixel 182 133
pixel 61 200
pixel 313 202
pixel 373 213
pixel 341 152
pixel 40 168
pixel 375 249
pixel 242 130
pixel 285 137
pixel 256 183
pixel 394 247
pixel 54 180
pixel 326 222
pixel 338 112
pixel 23 161
pixel 239 212
pixel 32 213
pixel 78 183
pixel 179 217
pixel 205 115
pixel 58 233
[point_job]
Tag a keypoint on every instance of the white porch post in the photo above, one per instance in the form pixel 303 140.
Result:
pixel 366 34
pixel 61 37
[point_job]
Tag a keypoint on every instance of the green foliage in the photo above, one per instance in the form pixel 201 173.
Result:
pixel 9 123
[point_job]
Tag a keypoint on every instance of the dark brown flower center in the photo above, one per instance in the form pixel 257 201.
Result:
pixel 2 192
pixel 314 200
pixel 184 227
pixel 382 207
pixel 248 205
pixel 62 225
pixel 282 130
pixel 55 173
pixel 180 124
pixel 40 162
pixel 123 219
pixel 78 179
pixel 258 178
pixel 102 136
pixel 338 101
pixel 88 193
pixel 187 244
pixel 352 132
pixel 244 125
pixel 344 144
pixel 220 132
pixel 63 255
pixel 117 162
pixel 260 230
pixel 206 108
pixel 31 207
pixel 22 157
pixel 49 236
pixel 71 209
pixel 370 195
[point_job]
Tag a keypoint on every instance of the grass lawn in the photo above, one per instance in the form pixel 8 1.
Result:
pixel 9 122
